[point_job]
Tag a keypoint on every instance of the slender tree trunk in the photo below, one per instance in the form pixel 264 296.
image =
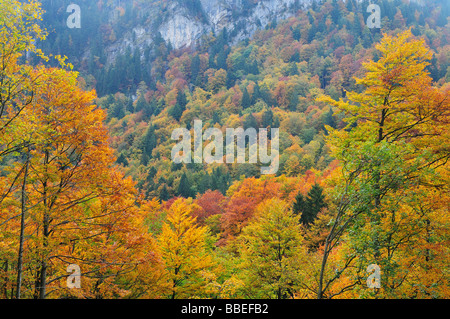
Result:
pixel 377 177
pixel 22 228
pixel 428 236
pixel 175 283
pixel 4 288
pixel 336 231
pixel 43 272
pixel 379 139
pixel 322 271
pixel 326 252
pixel 41 280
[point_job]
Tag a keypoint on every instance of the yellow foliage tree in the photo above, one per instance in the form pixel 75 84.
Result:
pixel 272 252
pixel 184 250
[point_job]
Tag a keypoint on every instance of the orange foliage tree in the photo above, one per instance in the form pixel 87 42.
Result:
pixel 75 207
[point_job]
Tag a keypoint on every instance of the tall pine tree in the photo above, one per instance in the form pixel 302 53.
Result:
pixel 184 189
pixel 310 206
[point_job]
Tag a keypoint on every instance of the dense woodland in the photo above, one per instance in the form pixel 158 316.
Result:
pixel 86 175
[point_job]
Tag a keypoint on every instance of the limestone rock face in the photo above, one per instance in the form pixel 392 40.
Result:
pixel 182 27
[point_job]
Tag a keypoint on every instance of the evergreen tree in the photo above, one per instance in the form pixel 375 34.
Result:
pixel 122 160
pixel 252 68
pixel 356 27
pixel 246 101
pixel 177 110
pixel 329 119
pixel 222 59
pixel 181 99
pixel 149 141
pixel 256 94
pixel 184 189
pixel 215 178
pixel 335 12
pixel 224 183
pixel 148 110
pixel 117 110
pixel 299 204
pixel 310 206
pixel 220 181
pixel 151 173
pixel 211 61
pixel 130 106
pixel 215 118
pixel 276 122
pixel 267 96
pixel 349 5
pixel 312 33
pixel 144 159
pixel 141 103
pixel 292 101
pixel 295 58
pixel 267 118
pixel 292 69
pixel 175 166
pixel 231 78
pixel 195 68
pixel 315 201
pixel 296 34
pixel 250 122
pixel 205 183
pixel 164 193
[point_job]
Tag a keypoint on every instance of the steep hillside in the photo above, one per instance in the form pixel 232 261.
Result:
pixel 180 23
pixel 269 81
pixel 159 65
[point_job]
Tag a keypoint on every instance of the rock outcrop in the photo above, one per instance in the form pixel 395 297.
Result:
pixel 181 27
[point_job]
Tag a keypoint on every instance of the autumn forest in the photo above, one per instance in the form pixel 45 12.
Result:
pixel 93 206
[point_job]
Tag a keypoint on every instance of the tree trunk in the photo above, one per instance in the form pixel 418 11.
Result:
pixel 42 275
pixel 322 269
pixel 43 271
pixel 22 228
pixel 4 288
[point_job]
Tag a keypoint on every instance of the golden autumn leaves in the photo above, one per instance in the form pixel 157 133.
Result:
pixel 77 207
pixel 62 200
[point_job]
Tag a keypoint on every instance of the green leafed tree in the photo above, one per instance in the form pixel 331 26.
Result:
pixel 396 140
pixel 272 252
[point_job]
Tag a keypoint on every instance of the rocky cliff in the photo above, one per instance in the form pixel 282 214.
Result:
pixel 183 26
pixel 181 29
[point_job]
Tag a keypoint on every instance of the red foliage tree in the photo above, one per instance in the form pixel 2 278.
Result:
pixel 212 203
